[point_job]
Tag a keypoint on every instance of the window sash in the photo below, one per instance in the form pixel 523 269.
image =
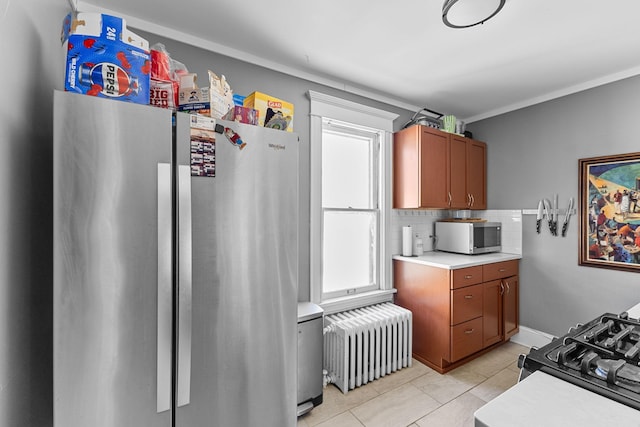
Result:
pixel 335 289
pixel 373 138
pixel 365 174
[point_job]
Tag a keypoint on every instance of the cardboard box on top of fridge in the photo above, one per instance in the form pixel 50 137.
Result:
pixel 243 115
pixel 221 95
pixel 104 58
pixel 191 98
pixel 273 112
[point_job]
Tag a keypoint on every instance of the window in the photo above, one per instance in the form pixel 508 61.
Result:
pixel 350 164
pixel 350 209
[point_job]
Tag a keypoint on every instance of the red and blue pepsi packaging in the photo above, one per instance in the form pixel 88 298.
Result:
pixel 105 59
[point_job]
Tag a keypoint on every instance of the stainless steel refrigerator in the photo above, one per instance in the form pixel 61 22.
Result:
pixel 175 295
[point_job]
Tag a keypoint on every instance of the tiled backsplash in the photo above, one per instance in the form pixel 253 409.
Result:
pixel 422 222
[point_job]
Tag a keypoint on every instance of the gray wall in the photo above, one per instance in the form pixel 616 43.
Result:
pixel 532 154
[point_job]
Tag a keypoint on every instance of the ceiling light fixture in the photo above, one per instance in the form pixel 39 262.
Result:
pixel 467 13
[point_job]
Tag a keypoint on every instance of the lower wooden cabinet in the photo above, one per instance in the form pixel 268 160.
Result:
pixel 457 314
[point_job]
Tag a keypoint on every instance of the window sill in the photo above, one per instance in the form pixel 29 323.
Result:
pixel 336 305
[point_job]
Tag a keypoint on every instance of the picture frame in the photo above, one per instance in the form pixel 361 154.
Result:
pixel 609 212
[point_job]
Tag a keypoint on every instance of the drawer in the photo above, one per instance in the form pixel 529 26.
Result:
pixel 466 303
pixel 466 339
pixel 499 270
pixel 466 276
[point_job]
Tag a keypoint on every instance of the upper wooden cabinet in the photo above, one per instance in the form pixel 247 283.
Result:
pixel 439 170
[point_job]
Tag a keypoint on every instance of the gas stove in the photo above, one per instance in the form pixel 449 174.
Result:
pixel 602 356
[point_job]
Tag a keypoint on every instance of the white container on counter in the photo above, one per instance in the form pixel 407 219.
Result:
pixel 418 247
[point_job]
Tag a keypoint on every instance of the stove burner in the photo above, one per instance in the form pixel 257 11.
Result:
pixel 602 372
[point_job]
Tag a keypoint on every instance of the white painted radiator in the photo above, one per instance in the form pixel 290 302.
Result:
pixel 365 344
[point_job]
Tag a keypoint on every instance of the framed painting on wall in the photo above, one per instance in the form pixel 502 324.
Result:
pixel 610 212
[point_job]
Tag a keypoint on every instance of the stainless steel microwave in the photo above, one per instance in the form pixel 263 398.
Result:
pixel 468 237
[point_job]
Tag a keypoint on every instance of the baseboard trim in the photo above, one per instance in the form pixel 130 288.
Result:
pixel 532 337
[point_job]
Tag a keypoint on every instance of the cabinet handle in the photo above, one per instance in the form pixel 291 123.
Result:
pixel 508 287
pixel 468 297
pixel 469 201
pixel 501 288
pixel 468 331
pixel 468 276
pixel 502 270
pixel 449 198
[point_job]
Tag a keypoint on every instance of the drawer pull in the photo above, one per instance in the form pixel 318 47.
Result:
pixel 468 276
pixel 468 331
pixel 468 297
pixel 502 270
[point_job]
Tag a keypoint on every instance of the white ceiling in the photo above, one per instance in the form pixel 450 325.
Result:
pixel 400 52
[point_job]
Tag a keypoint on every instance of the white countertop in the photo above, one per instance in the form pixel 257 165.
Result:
pixel 634 312
pixel 452 261
pixel 544 400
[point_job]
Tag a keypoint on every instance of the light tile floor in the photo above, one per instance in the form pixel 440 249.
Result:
pixel 419 396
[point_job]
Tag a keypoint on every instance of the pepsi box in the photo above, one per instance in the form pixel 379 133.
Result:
pixel 104 58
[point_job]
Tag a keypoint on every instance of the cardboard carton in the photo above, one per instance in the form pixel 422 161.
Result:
pixel 242 115
pixel 104 58
pixel 273 112
pixel 191 98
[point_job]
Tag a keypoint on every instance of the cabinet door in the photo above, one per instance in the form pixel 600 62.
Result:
pixel 492 312
pixel 510 309
pixel 477 174
pixel 434 169
pixel 458 173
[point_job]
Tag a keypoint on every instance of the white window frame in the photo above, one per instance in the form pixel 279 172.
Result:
pixel 329 107
pixel 374 137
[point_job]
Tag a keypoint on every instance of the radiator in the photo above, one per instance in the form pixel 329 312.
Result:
pixel 365 344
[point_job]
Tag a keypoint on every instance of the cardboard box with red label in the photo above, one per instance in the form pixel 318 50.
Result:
pixel 104 58
pixel 242 115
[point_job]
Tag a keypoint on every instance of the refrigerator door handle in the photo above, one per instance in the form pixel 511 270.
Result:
pixel 164 289
pixel 185 284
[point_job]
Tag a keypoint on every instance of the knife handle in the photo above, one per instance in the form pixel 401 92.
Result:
pixel 538 226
